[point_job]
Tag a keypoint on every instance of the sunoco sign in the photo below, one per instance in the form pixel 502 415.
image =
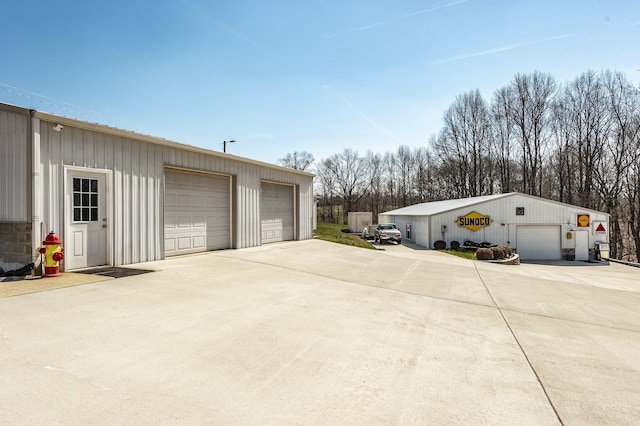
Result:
pixel 474 221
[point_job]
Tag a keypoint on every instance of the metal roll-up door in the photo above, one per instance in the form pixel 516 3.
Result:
pixel 196 212
pixel 277 213
pixel 539 242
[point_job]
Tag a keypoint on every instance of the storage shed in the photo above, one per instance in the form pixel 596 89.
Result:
pixel 357 221
pixel 117 197
pixel 535 227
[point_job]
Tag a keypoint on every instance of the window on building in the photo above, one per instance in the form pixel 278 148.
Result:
pixel 85 200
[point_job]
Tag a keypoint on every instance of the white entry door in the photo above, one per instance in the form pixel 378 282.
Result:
pixel 582 245
pixel 86 241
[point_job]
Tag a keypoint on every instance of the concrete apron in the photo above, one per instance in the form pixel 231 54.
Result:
pixel 16 286
pixel 311 332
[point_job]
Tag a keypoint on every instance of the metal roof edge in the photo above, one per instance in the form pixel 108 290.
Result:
pixel 561 203
pixel 15 108
pixel 473 201
pixel 155 140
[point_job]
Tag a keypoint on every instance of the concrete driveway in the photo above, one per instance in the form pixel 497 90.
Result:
pixel 316 333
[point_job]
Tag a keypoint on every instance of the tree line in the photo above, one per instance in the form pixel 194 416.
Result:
pixel 576 142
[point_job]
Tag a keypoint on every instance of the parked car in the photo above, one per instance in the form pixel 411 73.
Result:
pixel 387 232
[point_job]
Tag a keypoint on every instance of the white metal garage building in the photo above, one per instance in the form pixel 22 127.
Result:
pixel 117 197
pixel 535 227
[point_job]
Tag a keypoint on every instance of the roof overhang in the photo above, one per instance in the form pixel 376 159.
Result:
pixel 71 122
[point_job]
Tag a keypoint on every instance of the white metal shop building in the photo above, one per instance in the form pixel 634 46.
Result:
pixel 117 197
pixel 537 228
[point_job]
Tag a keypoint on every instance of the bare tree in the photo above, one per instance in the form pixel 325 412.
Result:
pixel 349 172
pixel 423 180
pixel 619 170
pixel 297 160
pixel 463 144
pixel 582 111
pixel 530 110
pixel 405 167
pixel 326 185
pixel 631 208
pixel 563 159
pixel 503 138
pixel 390 163
pixel 373 165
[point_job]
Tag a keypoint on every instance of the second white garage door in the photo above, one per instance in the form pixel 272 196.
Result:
pixel 196 213
pixel 277 213
pixel 539 242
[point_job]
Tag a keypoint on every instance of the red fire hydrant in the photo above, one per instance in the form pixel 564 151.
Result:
pixel 53 254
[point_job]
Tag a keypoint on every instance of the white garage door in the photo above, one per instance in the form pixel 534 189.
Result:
pixel 539 242
pixel 196 213
pixel 276 213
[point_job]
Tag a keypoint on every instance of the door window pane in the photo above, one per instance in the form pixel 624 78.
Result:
pixel 85 200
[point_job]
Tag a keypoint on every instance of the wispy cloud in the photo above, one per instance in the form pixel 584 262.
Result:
pixel 408 15
pixel 502 49
pixel 633 24
pixel 379 127
pixel 433 9
pixel 224 27
pixel 55 105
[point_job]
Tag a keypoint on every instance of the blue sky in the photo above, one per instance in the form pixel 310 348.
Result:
pixel 284 76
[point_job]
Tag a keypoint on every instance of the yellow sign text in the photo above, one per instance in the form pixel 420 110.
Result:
pixel 474 221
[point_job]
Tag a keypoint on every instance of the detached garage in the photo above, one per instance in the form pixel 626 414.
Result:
pixel 537 228
pixel 116 197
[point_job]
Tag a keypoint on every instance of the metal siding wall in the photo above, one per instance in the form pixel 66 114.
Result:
pixel 306 210
pixel 539 212
pixel 15 164
pixel 53 195
pixel 137 190
pixel 135 203
pixel 501 211
pixel 419 227
pixel 421 230
pixel 248 178
pixel 248 206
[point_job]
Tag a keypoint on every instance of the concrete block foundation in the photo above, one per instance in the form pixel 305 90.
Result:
pixel 16 248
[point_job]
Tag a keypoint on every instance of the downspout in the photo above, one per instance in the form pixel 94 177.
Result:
pixel 36 188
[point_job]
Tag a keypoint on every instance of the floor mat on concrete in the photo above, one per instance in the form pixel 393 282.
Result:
pixel 114 271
